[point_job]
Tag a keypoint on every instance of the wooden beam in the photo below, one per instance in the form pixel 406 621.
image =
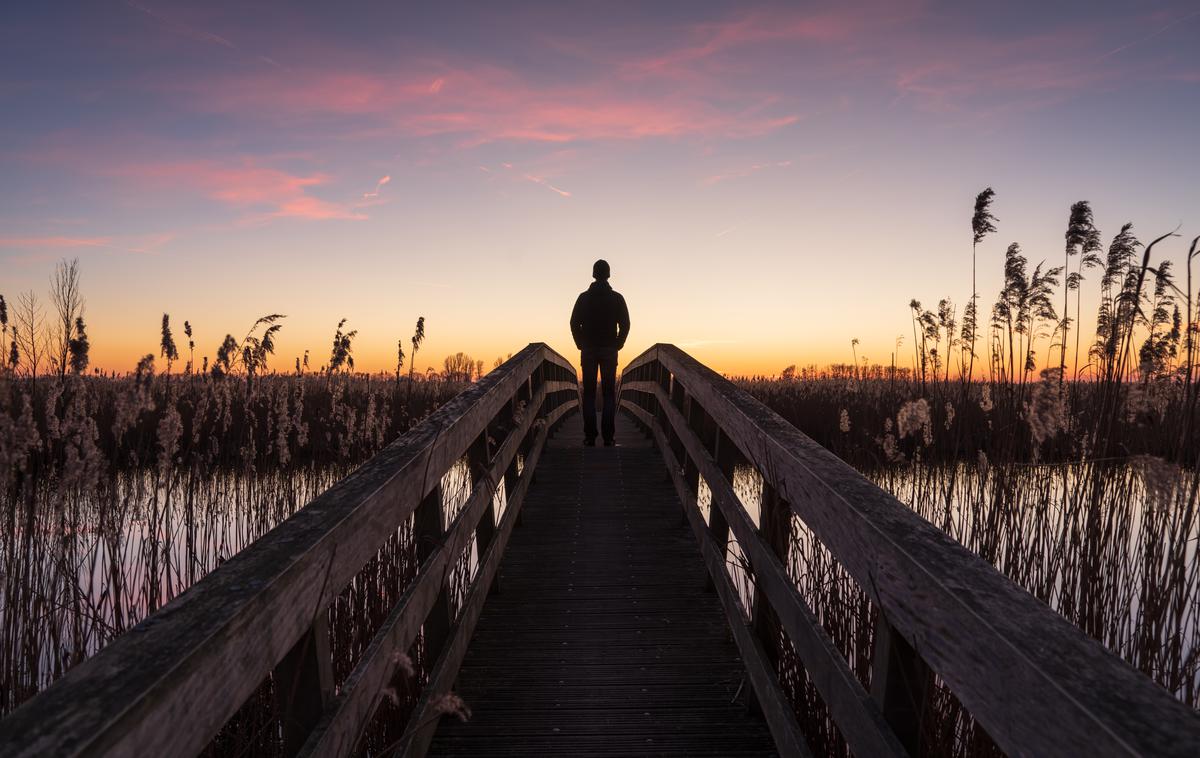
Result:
pixel 423 722
pixel 304 684
pixel 1037 683
pixel 166 686
pixel 775 706
pixel 348 715
pixel 859 718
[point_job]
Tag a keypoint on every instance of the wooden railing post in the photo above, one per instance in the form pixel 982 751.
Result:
pixel 304 684
pixel 727 455
pixel 479 457
pixel 428 533
pixel 774 526
pixel 900 681
pixel 511 477
pixel 664 380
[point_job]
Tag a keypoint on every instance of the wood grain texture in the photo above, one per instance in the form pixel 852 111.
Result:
pixel 860 719
pixel 423 721
pixel 1037 683
pixel 339 728
pixel 166 686
pixel 603 641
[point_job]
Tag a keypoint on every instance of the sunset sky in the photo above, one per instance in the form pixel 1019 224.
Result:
pixel 768 181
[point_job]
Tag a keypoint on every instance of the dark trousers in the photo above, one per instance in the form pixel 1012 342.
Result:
pixel 604 360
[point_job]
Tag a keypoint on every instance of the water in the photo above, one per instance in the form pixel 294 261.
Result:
pixel 1096 542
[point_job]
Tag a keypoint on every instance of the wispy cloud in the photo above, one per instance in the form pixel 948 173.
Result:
pixel 1161 30
pixel 547 185
pixel 740 173
pixel 262 192
pixel 477 104
pixel 142 244
pixel 181 28
pixel 524 176
pixel 378 186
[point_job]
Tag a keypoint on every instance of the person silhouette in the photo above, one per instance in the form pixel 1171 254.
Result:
pixel 600 326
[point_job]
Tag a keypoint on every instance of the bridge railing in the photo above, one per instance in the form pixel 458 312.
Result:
pixel 1034 681
pixel 168 685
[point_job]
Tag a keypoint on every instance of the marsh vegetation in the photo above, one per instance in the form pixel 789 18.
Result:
pixel 1069 463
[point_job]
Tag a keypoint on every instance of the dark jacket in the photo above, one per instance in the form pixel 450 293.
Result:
pixel 600 319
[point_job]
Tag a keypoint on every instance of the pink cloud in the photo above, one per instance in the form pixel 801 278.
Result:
pixel 710 40
pixel 537 176
pixel 986 75
pixel 378 186
pixel 547 185
pixel 708 181
pixel 146 243
pixel 263 191
pixel 54 242
pixel 479 104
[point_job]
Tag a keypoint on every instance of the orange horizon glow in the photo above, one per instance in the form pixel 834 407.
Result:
pixel 769 182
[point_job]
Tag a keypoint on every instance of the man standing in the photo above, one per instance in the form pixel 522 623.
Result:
pixel 600 325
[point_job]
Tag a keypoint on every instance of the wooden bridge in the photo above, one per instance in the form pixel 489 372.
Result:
pixel 586 601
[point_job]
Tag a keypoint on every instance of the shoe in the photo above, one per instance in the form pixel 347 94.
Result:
pixel 589 443
pixel 609 443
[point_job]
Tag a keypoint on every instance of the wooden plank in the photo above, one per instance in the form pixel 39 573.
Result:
pixel 776 707
pixel 428 534
pixel 900 683
pixel 603 641
pixel 166 686
pixel 423 722
pixel 304 684
pixel 859 718
pixel 1036 682
pixel 339 728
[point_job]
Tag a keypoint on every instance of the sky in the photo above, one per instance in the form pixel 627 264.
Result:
pixel 767 180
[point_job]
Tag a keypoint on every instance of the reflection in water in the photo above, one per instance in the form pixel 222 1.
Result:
pixel 68 591
pixel 748 486
pixel 704 499
pixel 1097 543
pixel 144 544
pixel 456 490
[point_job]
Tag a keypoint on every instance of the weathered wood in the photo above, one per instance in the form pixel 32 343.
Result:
pixel 776 708
pixel 423 721
pixel 343 721
pixel 900 683
pixel 304 683
pixel 166 686
pixel 359 696
pixel 428 532
pixel 862 723
pixel 479 458
pixel 602 643
pixel 718 521
pixel 1036 682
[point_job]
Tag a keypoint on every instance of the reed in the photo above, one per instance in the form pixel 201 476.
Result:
pixel 1080 486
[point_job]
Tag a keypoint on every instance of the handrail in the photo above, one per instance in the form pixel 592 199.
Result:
pixel 170 683
pixel 1034 681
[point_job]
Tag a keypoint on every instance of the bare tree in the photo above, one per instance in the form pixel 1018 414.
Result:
pixel 459 367
pixel 67 300
pixel 29 332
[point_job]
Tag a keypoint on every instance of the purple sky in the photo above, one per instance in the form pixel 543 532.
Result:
pixel 768 181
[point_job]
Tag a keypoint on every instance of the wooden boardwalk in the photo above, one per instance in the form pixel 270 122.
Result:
pixel 602 639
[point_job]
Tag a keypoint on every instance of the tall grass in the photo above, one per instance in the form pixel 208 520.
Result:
pixel 118 493
pixel 1081 488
